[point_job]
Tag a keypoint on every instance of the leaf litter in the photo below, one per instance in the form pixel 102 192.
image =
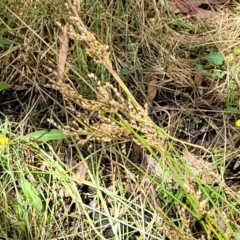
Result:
pixel 192 7
pixel 63 51
pixel 152 88
pixel 201 168
pixel 196 163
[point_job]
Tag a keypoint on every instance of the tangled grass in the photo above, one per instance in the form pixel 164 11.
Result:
pixel 132 165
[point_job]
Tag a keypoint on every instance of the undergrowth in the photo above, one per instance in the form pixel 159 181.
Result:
pixel 145 103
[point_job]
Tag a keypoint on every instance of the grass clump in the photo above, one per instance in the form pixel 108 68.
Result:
pixel 145 102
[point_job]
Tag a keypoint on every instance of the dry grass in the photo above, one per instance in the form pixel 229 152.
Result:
pixel 176 177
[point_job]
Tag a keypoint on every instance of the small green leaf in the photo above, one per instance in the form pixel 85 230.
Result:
pixel 199 69
pixel 231 110
pixel 4 86
pixel 6 42
pixel 215 58
pixel 46 135
pixel 31 194
pixel 233 85
pixel 219 73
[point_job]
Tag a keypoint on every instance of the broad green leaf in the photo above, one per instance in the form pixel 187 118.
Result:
pixel 6 42
pixel 31 194
pixel 215 58
pixel 4 86
pixel 47 135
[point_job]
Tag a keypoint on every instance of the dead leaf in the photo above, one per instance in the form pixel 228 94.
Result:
pixel 222 225
pixel 198 79
pixel 151 165
pixel 19 87
pixel 152 88
pixel 202 169
pixel 64 193
pixel 81 172
pixel 173 7
pixel 205 103
pixel 192 7
pixel 63 51
pixel 203 14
